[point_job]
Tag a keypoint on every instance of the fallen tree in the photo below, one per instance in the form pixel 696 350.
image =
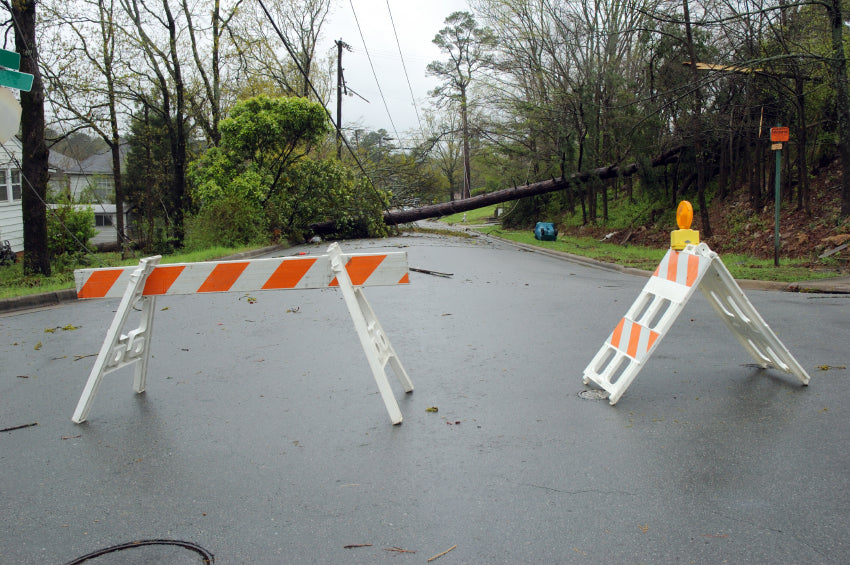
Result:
pixel 395 217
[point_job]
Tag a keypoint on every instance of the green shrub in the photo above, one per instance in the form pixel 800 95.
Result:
pixel 69 230
pixel 229 222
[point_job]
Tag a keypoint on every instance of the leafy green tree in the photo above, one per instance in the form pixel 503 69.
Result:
pixel 468 48
pixel 262 163
pixel 260 140
pixel 315 191
pixel 148 174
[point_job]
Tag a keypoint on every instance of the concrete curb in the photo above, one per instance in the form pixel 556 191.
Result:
pixel 45 299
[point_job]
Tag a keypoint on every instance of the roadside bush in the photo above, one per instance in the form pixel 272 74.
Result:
pixel 316 191
pixel 229 222
pixel 69 230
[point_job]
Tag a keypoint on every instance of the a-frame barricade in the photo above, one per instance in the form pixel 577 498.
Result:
pixel 641 330
pixel 142 284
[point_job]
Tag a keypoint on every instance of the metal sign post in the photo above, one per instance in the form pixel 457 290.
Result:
pixel 778 135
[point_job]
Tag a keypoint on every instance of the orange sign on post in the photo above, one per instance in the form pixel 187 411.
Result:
pixel 780 135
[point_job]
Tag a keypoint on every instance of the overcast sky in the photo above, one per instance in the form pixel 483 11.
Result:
pixel 416 24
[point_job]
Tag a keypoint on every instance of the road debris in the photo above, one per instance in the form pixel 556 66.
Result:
pixel 429 272
pixel 22 426
pixel 353 545
pixel 398 550
pixel 441 554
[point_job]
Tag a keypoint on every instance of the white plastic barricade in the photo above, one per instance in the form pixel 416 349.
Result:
pixel 143 283
pixel 679 274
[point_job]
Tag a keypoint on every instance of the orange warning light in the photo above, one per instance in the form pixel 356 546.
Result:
pixel 684 236
pixel 684 215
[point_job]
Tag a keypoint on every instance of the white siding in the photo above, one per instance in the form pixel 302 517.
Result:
pixel 11 215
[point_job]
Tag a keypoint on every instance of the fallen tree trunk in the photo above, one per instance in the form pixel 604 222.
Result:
pixel 396 217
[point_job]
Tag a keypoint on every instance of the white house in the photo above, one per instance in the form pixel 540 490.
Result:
pixel 11 216
pixel 65 174
pixel 105 222
pixel 93 173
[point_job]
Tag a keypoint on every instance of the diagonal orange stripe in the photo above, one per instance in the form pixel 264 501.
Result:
pixel 289 273
pixel 652 337
pixel 618 331
pixel 405 279
pixel 672 265
pixel 99 283
pixel 693 269
pixel 161 279
pixel 634 338
pixel 361 268
pixel 223 277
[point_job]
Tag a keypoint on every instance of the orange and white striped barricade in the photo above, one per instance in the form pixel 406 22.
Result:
pixel 679 274
pixel 143 283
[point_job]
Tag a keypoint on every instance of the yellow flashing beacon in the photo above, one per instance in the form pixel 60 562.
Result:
pixel 684 235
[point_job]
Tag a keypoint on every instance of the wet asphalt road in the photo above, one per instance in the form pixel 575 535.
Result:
pixel 262 437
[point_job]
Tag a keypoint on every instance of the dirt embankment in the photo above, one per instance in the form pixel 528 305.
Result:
pixel 738 228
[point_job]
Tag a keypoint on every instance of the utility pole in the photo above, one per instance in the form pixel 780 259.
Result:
pixel 340 86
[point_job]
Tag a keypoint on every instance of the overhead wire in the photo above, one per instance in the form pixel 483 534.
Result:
pixel 372 66
pixel 316 94
pixel 404 66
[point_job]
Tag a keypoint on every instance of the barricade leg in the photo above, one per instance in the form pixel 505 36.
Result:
pixel 374 341
pixel 633 340
pixel 645 324
pixel 743 320
pixel 120 350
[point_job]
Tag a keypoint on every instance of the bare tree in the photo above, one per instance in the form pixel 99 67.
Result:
pixel 156 31
pixel 85 79
pixel 287 65
pixel 209 70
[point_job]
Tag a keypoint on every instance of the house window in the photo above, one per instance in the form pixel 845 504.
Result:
pixel 102 220
pixel 4 191
pixel 103 187
pixel 16 184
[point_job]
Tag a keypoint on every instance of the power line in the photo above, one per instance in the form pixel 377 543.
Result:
pixel 404 66
pixel 316 94
pixel 372 66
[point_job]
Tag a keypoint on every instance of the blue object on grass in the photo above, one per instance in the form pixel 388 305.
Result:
pixel 545 231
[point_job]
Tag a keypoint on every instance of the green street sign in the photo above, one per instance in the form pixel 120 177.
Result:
pixel 14 79
pixel 10 62
pixel 10 59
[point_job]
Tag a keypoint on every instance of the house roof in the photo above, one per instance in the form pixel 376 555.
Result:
pixel 61 162
pixel 97 164
pixel 101 163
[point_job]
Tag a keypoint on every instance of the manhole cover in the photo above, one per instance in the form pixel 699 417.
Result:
pixel 593 394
